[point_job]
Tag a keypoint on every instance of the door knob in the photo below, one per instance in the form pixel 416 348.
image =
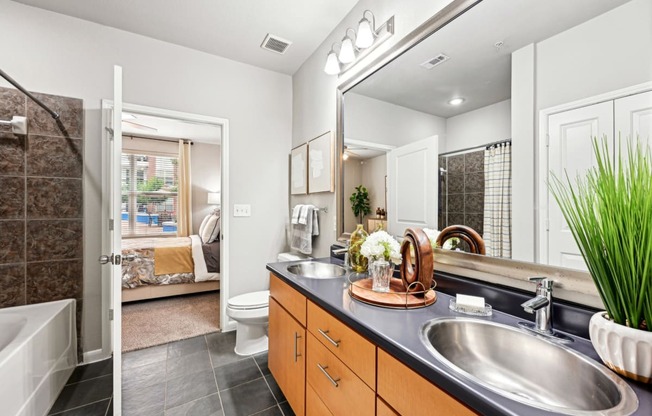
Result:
pixel 104 259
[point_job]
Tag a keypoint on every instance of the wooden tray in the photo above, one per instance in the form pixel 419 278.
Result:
pixel 396 297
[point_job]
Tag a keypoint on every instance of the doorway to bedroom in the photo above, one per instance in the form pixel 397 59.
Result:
pixel 170 224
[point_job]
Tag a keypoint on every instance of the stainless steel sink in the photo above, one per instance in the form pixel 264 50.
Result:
pixel 527 368
pixel 317 270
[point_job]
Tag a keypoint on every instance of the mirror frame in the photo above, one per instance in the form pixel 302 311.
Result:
pixel 572 285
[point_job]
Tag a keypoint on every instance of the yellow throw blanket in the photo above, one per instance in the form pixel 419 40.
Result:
pixel 169 260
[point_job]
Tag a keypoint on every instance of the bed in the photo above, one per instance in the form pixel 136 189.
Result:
pixel 185 265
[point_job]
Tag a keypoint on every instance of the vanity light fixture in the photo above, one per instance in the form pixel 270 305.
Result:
pixel 345 155
pixel 456 101
pixel 347 51
pixel 332 63
pixel 366 31
pixel 357 46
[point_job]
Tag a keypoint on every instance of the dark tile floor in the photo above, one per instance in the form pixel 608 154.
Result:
pixel 88 392
pixel 199 376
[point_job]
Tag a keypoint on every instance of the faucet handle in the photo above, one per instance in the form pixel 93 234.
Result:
pixel 542 281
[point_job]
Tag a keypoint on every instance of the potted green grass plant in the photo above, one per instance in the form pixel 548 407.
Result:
pixel 609 212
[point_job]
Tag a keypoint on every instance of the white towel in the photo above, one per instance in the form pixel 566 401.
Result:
pixel 296 211
pixel 302 233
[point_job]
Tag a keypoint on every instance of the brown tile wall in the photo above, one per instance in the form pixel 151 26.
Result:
pixel 463 188
pixel 41 215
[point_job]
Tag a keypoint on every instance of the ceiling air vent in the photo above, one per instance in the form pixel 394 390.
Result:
pixel 431 63
pixel 275 44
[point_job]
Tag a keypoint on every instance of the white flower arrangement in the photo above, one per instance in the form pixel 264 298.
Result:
pixel 432 236
pixel 381 245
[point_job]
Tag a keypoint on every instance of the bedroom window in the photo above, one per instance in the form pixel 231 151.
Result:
pixel 149 194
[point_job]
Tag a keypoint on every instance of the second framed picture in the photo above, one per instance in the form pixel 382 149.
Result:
pixel 320 164
pixel 299 170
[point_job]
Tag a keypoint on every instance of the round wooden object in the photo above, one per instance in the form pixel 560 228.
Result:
pixel 395 298
pixel 421 269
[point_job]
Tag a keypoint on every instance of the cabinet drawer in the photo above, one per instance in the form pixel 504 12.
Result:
pixel 349 346
pixel 314 405
pixel 398 385
pixel 293 301
pixel 337 386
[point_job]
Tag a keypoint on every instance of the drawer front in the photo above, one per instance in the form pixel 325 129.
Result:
pixel 337 386
pixel 382 409
pixel 293 301
pixel 314 405
pixel 349 346
pixel 398 385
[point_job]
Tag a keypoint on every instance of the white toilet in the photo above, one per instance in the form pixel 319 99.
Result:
pixel 251 313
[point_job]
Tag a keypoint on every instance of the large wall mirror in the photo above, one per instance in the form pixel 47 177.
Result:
pixel 464 127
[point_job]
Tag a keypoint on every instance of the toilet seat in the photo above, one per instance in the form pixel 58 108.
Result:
pixel 248 301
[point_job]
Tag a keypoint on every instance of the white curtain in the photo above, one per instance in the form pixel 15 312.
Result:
pixel 184 208
pixel 498 200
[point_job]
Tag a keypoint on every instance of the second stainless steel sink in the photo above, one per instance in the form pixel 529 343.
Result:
pixel 317 270
pixel 527 368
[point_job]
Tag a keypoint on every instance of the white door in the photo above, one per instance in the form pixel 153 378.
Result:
pixel 634 119
pixel 112 233
pixel 412 178
pixel 571 152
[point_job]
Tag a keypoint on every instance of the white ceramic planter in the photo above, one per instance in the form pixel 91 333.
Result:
pixel 627 351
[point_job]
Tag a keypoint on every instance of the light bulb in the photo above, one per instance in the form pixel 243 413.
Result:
pixel 365 35
pixel 345 156
pixel 332 65
pixel 347 55
pixel 456 101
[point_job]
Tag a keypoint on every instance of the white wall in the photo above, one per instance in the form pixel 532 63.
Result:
pixel 60 55
pixel 478 127
pixel 375 121
pixel 609 52
pixel 314 92
pixel 205 172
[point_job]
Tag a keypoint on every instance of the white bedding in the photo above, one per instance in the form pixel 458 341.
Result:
pixel 201 272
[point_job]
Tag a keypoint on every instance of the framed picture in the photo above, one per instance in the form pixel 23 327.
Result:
pixel 299 170
pixel 320 164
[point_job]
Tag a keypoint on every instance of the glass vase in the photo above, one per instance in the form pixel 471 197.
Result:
pixel 359 263
pixel 381 273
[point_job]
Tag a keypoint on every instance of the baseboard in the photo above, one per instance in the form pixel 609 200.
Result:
pixel 230 326
pixel 94 355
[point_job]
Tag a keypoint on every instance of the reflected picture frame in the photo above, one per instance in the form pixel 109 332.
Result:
pixel 299 170
pixel 321 167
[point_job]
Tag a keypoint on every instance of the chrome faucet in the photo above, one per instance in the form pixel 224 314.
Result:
pixel 541 305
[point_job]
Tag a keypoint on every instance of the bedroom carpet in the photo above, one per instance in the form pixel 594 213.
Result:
pixel 159 321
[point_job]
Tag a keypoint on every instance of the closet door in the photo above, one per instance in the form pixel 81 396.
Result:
pixel 634 119
pixel 571 152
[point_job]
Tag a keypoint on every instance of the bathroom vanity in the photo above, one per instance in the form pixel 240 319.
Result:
pixel 331 354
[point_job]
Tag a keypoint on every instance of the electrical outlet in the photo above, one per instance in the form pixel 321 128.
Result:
pixel 241 210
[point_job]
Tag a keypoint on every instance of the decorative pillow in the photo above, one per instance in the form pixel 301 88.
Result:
pixel 209 228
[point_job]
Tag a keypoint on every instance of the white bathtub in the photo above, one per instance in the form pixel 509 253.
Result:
pixel 38 352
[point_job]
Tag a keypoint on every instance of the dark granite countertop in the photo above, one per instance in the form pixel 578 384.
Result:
pixel 397 332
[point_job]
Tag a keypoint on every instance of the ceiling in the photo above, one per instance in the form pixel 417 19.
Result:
pixel 477 70
pixel 232 29
pixel 152 126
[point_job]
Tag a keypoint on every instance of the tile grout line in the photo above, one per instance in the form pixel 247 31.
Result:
pixel 88 379
pixel 84 405
pixel 210 359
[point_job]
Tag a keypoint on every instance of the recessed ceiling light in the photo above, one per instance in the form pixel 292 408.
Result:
pixel 456 101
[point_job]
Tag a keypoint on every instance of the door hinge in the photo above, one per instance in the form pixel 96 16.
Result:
pixel 110 131
pixel 547 140
pixel 110 314
pixel 111 225
pixel 547 225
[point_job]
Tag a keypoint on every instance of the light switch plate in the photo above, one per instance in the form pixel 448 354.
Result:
pixel 241 210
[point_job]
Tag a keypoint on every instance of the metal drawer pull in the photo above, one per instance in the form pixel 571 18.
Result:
pixel 331 340
pixel 328 376
pixel 296 347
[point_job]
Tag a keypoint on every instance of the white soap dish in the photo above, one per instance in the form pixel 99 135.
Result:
pixel 486 311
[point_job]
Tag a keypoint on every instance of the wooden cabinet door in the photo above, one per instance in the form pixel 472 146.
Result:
pixel 287 355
